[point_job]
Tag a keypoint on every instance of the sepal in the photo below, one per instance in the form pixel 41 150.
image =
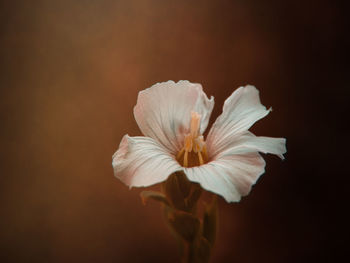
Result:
pixel 174 189
pixel 210 220
pixel 184 224
pixel 192 200
pixel 157 196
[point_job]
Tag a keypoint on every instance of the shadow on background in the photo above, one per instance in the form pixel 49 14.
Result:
pixel 70 75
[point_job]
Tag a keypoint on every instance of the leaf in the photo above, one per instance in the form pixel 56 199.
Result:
pixel 210 220
pixel 158 196
pixel 185 224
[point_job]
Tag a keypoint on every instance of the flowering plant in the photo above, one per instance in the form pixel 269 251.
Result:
pixel 173 117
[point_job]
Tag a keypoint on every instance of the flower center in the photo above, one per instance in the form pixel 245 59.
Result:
pixel 194 151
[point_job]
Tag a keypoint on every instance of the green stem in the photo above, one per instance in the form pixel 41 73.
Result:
pixel 196 234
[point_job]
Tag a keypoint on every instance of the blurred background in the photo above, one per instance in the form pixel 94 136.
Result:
pixel 70 72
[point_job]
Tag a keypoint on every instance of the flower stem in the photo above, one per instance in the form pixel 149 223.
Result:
pixel 196 234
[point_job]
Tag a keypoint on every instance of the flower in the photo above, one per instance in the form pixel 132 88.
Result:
pixel 173 117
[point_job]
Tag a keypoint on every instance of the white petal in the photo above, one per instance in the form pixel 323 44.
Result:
pixel 163 111
pixel 142 161
pixel 247 142
pixel 241 110
pixel 230 176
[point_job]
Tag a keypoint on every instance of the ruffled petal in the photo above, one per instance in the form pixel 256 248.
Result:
pixel 247 142
pixel 142 161
pixel 163 111
pixel 241 110
pixel 231 176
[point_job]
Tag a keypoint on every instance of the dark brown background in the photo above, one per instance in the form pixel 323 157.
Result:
pixel 70 74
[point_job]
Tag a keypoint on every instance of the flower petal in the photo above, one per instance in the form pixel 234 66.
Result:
pixel 247 142
pixel 142 161
pixel 231 176
pixel 241 110
pixel 163 111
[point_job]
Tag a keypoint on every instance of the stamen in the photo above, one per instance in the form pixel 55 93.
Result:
pixel 186 159
pixel 204 151
pixel 180 153
pixel 200 158
pixel 188 143
pixel 193 152
pixel 198 144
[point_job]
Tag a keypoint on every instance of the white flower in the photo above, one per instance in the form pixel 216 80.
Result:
pixel 173 117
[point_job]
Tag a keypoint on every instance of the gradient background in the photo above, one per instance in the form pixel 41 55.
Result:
pixel 70 75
